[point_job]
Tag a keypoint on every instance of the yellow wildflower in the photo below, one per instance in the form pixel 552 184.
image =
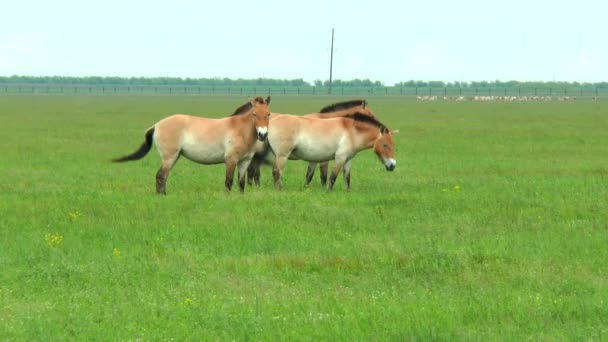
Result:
pixel 74 215
pixel 116 253
pixel 53 240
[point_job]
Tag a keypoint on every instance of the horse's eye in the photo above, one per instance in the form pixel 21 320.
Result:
pixel 268 114
pixel 385 146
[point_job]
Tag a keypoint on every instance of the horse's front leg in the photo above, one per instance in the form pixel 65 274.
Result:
pixel 230 166
pixel 335 172
pixel 242 171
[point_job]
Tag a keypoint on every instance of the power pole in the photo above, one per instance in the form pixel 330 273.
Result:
pixel 331 59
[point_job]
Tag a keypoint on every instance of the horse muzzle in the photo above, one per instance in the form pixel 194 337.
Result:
pixel 262 133
pixel 390 164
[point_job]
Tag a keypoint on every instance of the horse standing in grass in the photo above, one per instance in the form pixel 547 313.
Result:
pixel 332 111
pixel 230 140
pixel 319 140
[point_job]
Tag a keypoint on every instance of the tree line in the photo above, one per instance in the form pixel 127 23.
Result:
pixel 500 84
pixel 272 82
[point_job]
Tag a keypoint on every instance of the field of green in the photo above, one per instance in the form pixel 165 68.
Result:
pixel 494 226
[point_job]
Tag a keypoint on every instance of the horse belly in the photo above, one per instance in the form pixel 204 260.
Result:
pixel 314 150
pixel 203 152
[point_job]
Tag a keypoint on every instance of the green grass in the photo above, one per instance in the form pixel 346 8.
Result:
pixel 493 226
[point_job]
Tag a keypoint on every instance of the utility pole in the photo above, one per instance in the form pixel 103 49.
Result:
pixel 331 59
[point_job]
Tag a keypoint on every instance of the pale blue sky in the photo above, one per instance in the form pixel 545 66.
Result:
pixel 390 41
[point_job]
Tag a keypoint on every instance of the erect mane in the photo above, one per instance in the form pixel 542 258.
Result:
pixel 247 106
pixel 342 106
pixel 369 120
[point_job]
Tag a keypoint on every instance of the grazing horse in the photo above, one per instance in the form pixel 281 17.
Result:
pixel 318 140
pixel 230 140
pixel 332 111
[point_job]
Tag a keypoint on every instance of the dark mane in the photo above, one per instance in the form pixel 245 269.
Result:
pixel 243 109
pixel 342 106
pixel 369 120
pixel 247 106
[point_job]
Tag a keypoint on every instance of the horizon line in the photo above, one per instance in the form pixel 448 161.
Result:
pixel 302 79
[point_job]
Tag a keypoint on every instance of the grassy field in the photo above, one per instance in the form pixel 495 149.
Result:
pixel 493 226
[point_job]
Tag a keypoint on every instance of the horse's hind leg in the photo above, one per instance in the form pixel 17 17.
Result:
pixel 161 180
pixel 163 174
pixel 277 170
pixel 324 167
pixel 310 172
pixel 256 175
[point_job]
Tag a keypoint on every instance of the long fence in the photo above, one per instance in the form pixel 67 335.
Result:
pixel 164 90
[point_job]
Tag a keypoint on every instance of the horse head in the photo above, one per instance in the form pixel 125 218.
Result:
pixel 384 147
pixel 261 115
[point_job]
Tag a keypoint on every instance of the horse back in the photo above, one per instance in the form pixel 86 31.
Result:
pixel 202 140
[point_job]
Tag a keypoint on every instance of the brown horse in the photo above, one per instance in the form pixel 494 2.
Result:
pixel 229 140
pixel 332 111
pixel 318 140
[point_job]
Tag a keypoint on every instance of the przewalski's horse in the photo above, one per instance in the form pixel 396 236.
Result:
pixel 332 111
pixel 229 140
pixel 319 140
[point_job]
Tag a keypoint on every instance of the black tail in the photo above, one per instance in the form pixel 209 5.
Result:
pixel 142 151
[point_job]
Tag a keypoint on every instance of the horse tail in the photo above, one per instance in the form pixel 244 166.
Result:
pixel 143 149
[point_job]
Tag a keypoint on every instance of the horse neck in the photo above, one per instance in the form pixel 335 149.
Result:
pixel 366 135
pixel 245 125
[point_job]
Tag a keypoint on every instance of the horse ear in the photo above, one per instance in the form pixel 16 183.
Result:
pixel 268 100
pixel 364 104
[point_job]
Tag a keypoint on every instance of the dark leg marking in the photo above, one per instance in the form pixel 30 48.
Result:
pixel 310 173
pixel 256 175
pixel 251 171
pixel 332 180
pixel 276 174
pixel 229 181
pixel 161 181
pixel 347 179
pixel 242 184
pixel 324 168
pixel 230 166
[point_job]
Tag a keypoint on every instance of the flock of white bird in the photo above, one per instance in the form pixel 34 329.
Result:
pixel 498 98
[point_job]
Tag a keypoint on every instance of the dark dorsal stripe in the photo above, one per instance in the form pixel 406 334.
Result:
pixel 247 106
pixel 369 120
pixel 342 106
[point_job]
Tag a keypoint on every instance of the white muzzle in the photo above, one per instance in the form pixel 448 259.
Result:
pixel 262 132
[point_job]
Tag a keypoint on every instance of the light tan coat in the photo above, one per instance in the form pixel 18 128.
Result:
pixel 230 140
